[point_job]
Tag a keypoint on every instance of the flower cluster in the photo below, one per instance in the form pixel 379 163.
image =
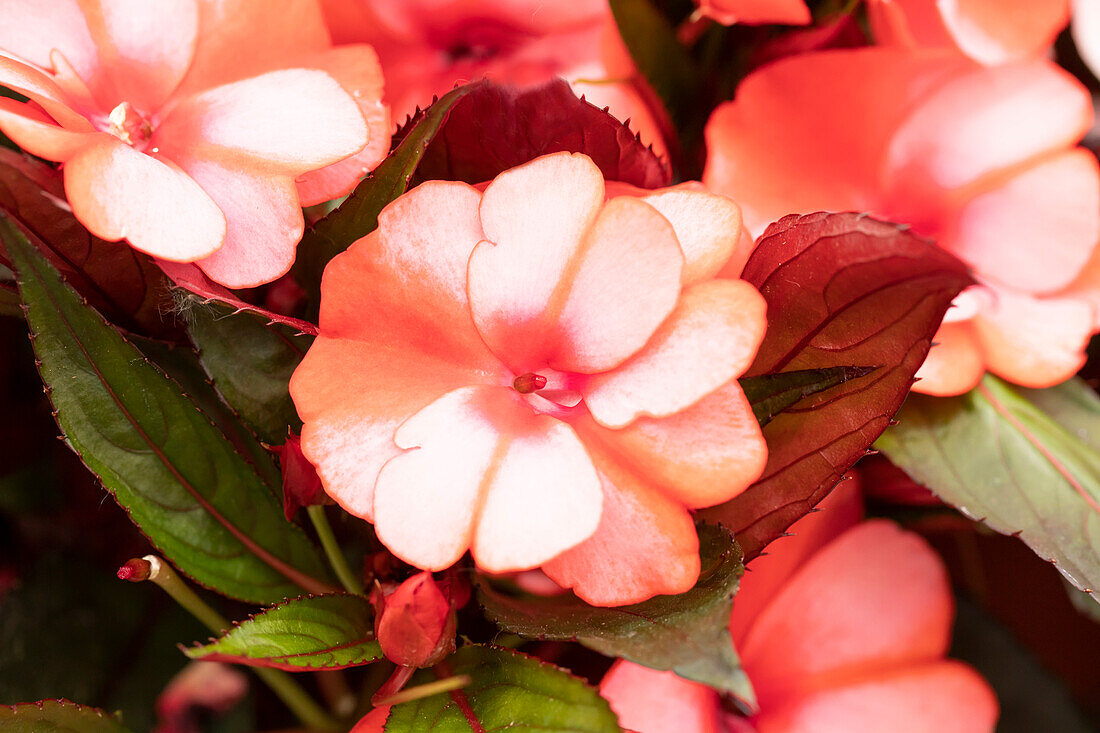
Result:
pixel 583 310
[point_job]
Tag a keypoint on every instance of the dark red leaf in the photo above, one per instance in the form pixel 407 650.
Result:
pixel 842 290
pixel 494 128
pixel 188 276
pixel 123 284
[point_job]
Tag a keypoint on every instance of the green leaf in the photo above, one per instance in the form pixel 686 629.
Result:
pixel 250 363
pixel 686 633
pixel 664 62
pixel 358 215
pixel 314 632
pixel 57 716
pixel 508 690
pixel 1024 462
pixel 181 363
pixel 771 394
pixel 180 480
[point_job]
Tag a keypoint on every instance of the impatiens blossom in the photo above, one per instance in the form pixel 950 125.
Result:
pixel 201 690
pixel 194 129
pixel 980 159
pixel 540 374
pixel 841 629
pixel 429 46
pixel 756 12
pixel 988 31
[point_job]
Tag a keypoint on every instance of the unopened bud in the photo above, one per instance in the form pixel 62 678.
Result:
pixel 135 570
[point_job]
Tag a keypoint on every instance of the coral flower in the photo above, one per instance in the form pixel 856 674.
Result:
pixel 539 374
pixel 842 629
pixel 981 159
pixel 756 12
pixel 429 46
pixel 194 129
pixel 988 31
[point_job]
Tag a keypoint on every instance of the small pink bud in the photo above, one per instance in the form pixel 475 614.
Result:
pixel 415 623
pixel 301 484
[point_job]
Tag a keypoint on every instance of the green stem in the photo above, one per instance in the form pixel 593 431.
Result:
pixel 336 558
pixel 426 690
pixel 294 697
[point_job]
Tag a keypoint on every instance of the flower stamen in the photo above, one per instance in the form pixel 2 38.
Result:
pixel 128 125
pixel 529 382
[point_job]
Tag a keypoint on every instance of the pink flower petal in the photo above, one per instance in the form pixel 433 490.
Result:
pixel 1034 342
pixel 32 30
pixel 249 124
pixel 707 226
pixel 583 308
pixel 415 263
pixel 487 474
pixel 873 598
pixel 40 88
pixel 37 134
pixel 645 544
pixel 648 701
pixel 534 218
pixel 263 223
pixel 955 363
pixel 244 38
pixel 625 281
pixel 766 575
pixel 944 697
pixel 709 339
pixel 1032 107
pixel 702 456
pixel 144 49
pixel 352 397
pixel 996 31
pixel 780 146
pixel 357 70
pixel 1056 202
pixel 1086 32
pixel 119 193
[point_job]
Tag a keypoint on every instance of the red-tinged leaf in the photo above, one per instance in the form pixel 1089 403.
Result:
pixel 198 500
pixel 494 128
pixel 1024 462
pixel 506 691
pixel 842 290
pixel 314 632
pixel 57 716
pixel 120 282
pixel 190 278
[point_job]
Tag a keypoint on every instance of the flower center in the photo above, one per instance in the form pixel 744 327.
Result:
pixel 129 126
pixel 549 392
pixel 529 382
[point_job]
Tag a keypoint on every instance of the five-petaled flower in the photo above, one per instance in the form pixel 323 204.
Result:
pixel 194 129
pixel 981 159
pixel 841 628
pixel 541 374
